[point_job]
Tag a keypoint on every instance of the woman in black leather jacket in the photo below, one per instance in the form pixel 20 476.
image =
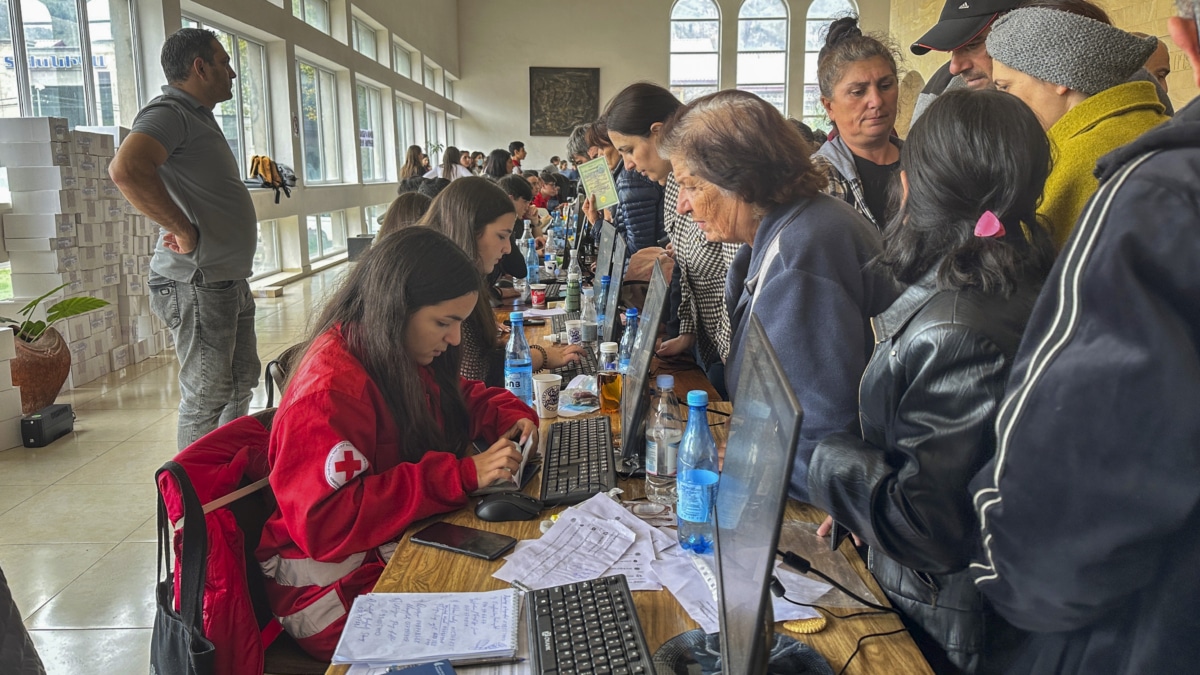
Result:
pixel 969 245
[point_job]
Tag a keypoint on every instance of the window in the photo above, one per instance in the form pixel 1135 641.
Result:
pixel 108 62
pixel 695 36
pixel 52 43
pixel 370 133
pixel 820 14
pixel 429 73
pixel 434 140
pixel 364 39
pixel 266 256
pixel 312 12
pixel 318 124
pixel 244 119
pixel 401 59
pixel 763 50
pixel 406 127
pixel 326 234
pixel 451 132
pixel 450 89
pixel 373 215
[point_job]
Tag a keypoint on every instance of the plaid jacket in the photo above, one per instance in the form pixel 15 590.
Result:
pixel 835 160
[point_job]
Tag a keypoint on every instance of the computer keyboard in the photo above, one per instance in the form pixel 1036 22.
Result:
pixel 559 321
pixel 587 627
pixel 586 365
pixel 578 461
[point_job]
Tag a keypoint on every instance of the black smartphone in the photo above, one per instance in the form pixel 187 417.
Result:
pixel 528 322
pixel 468 540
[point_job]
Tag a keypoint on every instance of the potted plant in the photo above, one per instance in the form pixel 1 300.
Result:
pixel 43 360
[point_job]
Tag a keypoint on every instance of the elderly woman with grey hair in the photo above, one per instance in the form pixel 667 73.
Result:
pixel 745 179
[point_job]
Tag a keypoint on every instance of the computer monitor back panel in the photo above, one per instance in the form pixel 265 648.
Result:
pixel 611 320
pixel 633 408
pixel 751 497
pixel 608 234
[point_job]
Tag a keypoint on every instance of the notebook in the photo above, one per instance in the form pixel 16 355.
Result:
pixel 405 628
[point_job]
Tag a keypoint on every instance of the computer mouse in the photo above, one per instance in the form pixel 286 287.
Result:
pixel 505 506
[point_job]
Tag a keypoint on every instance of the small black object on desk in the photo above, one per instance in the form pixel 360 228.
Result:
pixel 505 506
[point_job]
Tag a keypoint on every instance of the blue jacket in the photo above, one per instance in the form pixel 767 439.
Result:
pixel 640 213
pixel 1090 512
pixel 816 302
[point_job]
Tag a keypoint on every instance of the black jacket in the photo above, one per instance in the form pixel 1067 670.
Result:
pixel 927 404
pixel 640 212
pixel 1091 511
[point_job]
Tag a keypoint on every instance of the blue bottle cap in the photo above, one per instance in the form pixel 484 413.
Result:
pixel 631 312
pixel 666 382
pixel 516 316
pixel 697 398
pixel 605 279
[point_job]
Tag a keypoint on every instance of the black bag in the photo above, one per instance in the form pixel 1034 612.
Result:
pixel 178 645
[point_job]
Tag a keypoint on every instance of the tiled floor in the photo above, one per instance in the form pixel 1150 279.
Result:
pixel 77 525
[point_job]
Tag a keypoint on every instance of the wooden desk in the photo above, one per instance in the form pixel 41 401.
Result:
pixel 422 569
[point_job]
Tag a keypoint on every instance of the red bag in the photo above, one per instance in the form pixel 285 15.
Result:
pixel 236 618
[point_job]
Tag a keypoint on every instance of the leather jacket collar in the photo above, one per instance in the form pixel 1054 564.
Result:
pixel 895 318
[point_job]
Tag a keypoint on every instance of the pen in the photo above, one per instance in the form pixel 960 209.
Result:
pixel 468 663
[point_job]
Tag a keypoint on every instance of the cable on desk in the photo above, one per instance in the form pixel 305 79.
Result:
pixel 862 639
pixel 803 566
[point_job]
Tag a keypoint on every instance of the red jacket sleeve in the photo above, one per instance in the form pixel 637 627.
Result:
pixel 493 410
pixel 329 521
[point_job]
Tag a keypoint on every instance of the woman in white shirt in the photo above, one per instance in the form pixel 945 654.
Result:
pixel 451 168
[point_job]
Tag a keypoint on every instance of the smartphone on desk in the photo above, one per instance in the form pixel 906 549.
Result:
pixel 468 540
pixel 531 321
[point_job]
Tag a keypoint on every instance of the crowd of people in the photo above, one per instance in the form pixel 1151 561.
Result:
pixel 992 325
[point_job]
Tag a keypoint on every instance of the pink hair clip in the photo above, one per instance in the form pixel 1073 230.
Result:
pixel 989 226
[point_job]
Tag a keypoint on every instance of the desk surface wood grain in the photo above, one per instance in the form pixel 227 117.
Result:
pixel 422 569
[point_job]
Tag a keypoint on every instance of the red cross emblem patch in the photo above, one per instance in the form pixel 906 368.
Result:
pixel 343 463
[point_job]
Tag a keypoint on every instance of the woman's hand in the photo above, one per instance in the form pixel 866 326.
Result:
pixel 499 462
pixel 521 430
pixel 559 356
pixel 589 211
pixel 676 346
pixel 824 528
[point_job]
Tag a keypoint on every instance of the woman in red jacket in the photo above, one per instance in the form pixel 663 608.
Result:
pixel 374 430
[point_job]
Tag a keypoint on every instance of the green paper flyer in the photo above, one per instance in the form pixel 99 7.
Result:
pixel 598 182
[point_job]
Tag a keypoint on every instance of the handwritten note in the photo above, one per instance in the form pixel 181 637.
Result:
pixel 402 628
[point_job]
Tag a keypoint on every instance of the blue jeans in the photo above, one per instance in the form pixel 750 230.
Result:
pixel 213 327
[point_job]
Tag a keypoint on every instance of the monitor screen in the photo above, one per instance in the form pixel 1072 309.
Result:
pixel 611 320
pixel 633 408
pixel 751 496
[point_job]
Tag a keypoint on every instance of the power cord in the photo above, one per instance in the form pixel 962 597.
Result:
pixel 803 566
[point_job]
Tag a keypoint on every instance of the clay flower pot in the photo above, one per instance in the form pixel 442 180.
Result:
pixel 40 369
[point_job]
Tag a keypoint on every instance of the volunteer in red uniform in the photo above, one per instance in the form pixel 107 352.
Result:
pixel 374 429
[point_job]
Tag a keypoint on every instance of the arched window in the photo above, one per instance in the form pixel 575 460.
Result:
pixel 763 50
pixel 695 36
pixel 820 14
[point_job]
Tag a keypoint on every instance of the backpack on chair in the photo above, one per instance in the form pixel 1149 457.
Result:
pixel 266 173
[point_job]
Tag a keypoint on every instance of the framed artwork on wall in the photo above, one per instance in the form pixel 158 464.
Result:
pixel 561 98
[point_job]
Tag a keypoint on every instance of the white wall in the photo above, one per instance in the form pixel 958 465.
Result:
pixel 499 40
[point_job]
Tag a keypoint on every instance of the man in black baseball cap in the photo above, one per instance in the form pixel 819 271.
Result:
pixel 961 30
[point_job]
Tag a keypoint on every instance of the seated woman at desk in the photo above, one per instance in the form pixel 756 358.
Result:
pixel 480 218
pixel 374 430
pixel 969 242
pixel 803 269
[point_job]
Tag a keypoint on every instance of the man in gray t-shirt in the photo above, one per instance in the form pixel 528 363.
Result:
pixel 177 168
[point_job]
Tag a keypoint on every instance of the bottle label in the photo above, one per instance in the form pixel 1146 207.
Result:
pixel 513 381
pixel 660 457
pixel 696 491
pixel 651 456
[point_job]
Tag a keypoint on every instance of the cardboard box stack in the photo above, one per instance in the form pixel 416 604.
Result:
pixel 10 396
pixel 70 225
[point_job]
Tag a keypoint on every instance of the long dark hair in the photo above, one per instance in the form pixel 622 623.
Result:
pixel 971 152
pixel 496 165
pixel 462 211
pixel 412 163
pixel 405 210
pixel 450 159
pixel 638 107
pixel 403 272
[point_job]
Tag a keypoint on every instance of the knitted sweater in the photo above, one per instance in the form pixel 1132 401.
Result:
pixel 1100 124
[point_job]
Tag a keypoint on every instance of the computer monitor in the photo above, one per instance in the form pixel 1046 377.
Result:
pixel 633 407
pixel 751 496
pixel 608 234
pixel 611 320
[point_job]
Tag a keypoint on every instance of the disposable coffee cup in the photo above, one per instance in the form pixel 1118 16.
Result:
pixel 537 293
pixel 546 389
pixel 574 332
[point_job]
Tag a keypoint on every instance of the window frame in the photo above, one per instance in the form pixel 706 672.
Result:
pixel 680 90
pixel 335 216
pixel 326 178
pixel 403 140
pixel 398 46
pixel 820 121
pixel 359 27
pixel 300 11
pixel 379 139
pixel 787 35
pixel 277 265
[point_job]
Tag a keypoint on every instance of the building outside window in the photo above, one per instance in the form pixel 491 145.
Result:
pixel 326 234
pixel 695 58
pixel 763 50
pixel 312 12
pixel 266 256
pixel 401 59
pixel 364 39
pixel 319 124
pixel 820 14
pixel 370 133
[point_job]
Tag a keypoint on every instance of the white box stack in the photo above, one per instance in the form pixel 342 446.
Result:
pixel 10 396
pixel 70 224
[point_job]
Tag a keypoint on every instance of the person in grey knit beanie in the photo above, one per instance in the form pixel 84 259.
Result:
pixel 1067 49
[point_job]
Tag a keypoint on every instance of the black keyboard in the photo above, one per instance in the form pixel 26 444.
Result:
pixel 559 321
pixel 578 462
pixel 586 365
pixel 587 627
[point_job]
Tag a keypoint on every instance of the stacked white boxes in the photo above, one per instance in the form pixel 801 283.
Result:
pixel 10 396
pixel 70 224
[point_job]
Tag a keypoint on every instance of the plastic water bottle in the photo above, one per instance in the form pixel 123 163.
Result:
pixel 631 327
pixel 518 364
pixel 664 430
pixel 696 482
pixel 602 299
pixel 587 315
pixel 574 289
pixel 533 264
pixel 608 380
